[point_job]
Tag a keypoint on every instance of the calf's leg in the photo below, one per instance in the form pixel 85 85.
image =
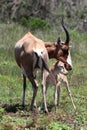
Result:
pixel 58 95
pixel 45 73
pixel 69 92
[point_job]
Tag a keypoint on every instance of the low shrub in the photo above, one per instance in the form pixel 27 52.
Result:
pixel 35 23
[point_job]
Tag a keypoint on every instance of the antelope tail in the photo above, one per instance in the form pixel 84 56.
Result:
pixel 40 62
pixel 45 65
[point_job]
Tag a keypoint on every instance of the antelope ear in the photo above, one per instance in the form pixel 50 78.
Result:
pixel 70 46
pixel 59 40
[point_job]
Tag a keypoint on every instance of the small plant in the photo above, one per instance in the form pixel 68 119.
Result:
pixel 1 112
pixel 57 126
pixel 35 23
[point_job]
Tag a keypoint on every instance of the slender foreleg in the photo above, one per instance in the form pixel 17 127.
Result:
pixel 55 97
pixel 42 102
pixel 45 73
pixel 58 97
pixel 70 95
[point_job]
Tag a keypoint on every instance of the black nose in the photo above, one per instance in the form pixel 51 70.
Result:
pixel 68 67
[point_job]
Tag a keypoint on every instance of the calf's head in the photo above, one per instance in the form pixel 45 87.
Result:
pixel 62 68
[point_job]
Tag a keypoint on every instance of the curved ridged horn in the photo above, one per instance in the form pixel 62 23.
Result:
pixel 58 40
pixel 67 33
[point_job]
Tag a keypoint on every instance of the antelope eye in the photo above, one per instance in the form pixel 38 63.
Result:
pixel 61 69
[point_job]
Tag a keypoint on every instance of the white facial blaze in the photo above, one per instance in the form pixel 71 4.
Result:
pixel 69 61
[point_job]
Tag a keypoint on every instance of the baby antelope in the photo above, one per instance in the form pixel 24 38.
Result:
pixel 58 75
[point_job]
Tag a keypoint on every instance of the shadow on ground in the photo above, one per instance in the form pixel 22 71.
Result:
pixel 14 107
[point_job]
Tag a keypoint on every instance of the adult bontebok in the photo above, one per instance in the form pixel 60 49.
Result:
pixel 58 75
pixel 30 55
pixel 60 50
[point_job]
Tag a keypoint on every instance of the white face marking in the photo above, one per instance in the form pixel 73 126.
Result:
pixel 61 69
pixel 69 61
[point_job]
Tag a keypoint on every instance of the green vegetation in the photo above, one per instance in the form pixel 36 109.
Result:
pixel 12 115
pixel 35 23
pixel 56 126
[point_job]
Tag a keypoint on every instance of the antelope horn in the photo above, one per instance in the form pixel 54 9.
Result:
pixel 67 33
pixel 58 40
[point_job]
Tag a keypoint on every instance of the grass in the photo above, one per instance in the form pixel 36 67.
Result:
pixel 12 115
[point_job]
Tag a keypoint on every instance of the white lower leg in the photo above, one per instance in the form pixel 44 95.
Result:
pixel 55 97
pixel 69 92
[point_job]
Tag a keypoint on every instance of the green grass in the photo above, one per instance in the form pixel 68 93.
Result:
pixel 12 115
